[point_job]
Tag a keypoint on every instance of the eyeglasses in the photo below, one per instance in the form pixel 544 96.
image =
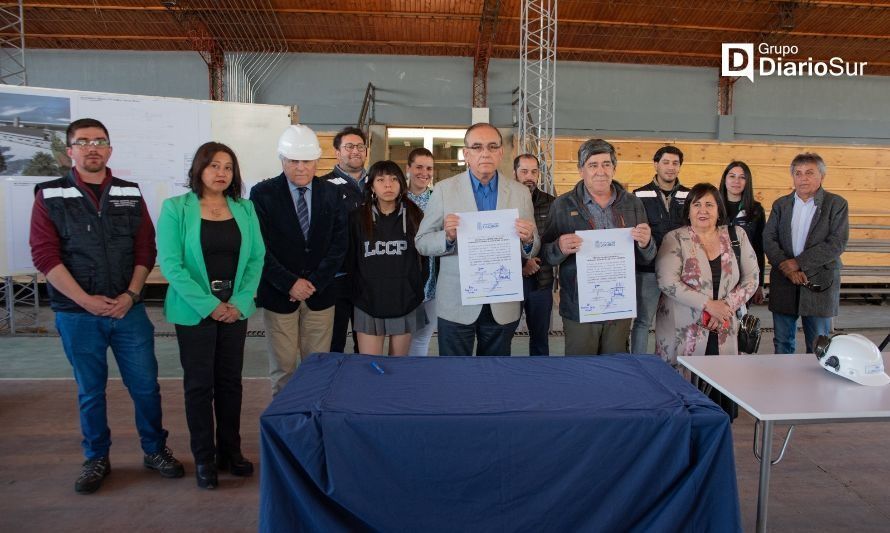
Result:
pixel 816 287
pixel 479 148
pixel 96 143
pixel 358 147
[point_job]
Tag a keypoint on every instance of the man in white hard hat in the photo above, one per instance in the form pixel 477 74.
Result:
pixel 304 227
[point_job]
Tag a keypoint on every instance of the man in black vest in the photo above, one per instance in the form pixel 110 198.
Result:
pixel 92 237
pixel 349 175
pixel 663 199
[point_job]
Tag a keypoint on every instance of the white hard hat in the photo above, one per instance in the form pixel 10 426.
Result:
pixel 299 143
pixel 851 356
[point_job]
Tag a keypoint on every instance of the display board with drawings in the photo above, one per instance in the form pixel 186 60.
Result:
pixel 153 141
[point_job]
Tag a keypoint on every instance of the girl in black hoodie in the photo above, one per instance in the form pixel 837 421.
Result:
pixel 387 272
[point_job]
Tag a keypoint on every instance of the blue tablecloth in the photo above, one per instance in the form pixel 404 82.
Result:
pixel 610 443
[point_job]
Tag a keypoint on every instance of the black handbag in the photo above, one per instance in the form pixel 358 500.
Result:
pixel 749 325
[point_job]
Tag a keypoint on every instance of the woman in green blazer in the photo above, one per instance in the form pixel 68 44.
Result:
pixel 211 251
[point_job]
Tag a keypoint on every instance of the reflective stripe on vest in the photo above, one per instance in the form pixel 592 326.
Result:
pixel 124 191
pixel 61 192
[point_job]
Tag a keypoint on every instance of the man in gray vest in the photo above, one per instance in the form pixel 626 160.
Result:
pixel 92 237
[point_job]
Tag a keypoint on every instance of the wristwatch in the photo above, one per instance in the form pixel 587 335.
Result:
pixel 134 296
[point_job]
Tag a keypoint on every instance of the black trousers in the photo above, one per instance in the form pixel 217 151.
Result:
pixel 729 406
pixel 212 356
pixel 343 310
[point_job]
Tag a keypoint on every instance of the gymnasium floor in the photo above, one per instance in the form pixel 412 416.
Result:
pixel 833 477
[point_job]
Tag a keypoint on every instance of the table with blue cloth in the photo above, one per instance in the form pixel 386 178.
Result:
pixel 608 443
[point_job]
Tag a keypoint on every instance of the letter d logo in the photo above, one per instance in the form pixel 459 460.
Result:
pixel 737 59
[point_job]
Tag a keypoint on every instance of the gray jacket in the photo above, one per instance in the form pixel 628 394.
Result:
pixel 820 259
pixel 568 214
pixel 455 195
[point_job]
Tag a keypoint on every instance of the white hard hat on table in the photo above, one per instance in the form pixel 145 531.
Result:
pixel 852 356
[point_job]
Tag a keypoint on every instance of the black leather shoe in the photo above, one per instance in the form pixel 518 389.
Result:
pixel 164 463
pixel 206 476
pixel 91 475
pixel 237 465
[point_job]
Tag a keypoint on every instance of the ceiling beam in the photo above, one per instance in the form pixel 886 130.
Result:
pixel 577 22
pixel 488 27
pixel 845 3
pixel 105 37
pixel 467 47
pixel 93 7
pixel 298 10
pixel 472 17
pixel 691 55
pixel 504 49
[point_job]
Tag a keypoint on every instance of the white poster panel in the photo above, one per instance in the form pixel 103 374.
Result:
pixel 17 196
pixel 153 141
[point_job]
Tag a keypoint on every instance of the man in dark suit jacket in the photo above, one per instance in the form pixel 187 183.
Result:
pixel 304 227
pixel 804 238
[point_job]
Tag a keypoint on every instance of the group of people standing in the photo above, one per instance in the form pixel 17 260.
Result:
pixel 378 248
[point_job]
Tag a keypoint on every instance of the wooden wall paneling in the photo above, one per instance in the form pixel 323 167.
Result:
pixel 861 174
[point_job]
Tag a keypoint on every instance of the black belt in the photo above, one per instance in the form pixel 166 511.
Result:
pixel 220 285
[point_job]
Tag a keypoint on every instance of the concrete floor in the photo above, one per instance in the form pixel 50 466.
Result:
pixel 833 477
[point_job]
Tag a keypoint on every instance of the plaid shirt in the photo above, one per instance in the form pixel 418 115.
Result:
pixel 429 288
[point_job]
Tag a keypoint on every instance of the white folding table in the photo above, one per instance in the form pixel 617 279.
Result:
pixel 788 389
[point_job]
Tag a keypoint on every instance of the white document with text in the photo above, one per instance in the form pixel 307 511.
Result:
pixel 607 288
pixel 489 257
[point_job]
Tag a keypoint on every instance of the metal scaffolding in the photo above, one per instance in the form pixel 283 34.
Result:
pixel 12 44
pixel 18 295
pixel 537 85
pixel 19 309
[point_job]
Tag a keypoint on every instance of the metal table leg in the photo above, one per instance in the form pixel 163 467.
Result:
pixel 766 446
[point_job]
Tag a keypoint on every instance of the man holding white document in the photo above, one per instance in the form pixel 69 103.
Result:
pixel 479 304
pixel 597 318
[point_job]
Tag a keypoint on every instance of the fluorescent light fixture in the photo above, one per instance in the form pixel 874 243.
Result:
pixel 427 132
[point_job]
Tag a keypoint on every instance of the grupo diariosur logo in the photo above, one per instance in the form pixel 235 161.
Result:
pixel 737 59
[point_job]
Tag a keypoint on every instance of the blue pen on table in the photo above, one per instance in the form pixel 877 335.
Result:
pixel 377 367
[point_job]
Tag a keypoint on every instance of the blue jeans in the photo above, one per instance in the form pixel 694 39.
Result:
pixel 86 339
pixel 647 303
pixel 538 306
pixel 785 327
pixel 494 338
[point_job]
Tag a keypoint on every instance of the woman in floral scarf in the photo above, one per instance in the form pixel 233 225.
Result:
pixel 700 282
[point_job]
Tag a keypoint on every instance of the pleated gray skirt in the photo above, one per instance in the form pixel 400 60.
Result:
pixel 362 322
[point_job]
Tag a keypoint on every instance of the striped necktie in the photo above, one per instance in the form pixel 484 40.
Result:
pixel 303 211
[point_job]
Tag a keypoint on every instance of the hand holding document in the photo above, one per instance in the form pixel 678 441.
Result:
pixel 607 288
pixel 490 257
